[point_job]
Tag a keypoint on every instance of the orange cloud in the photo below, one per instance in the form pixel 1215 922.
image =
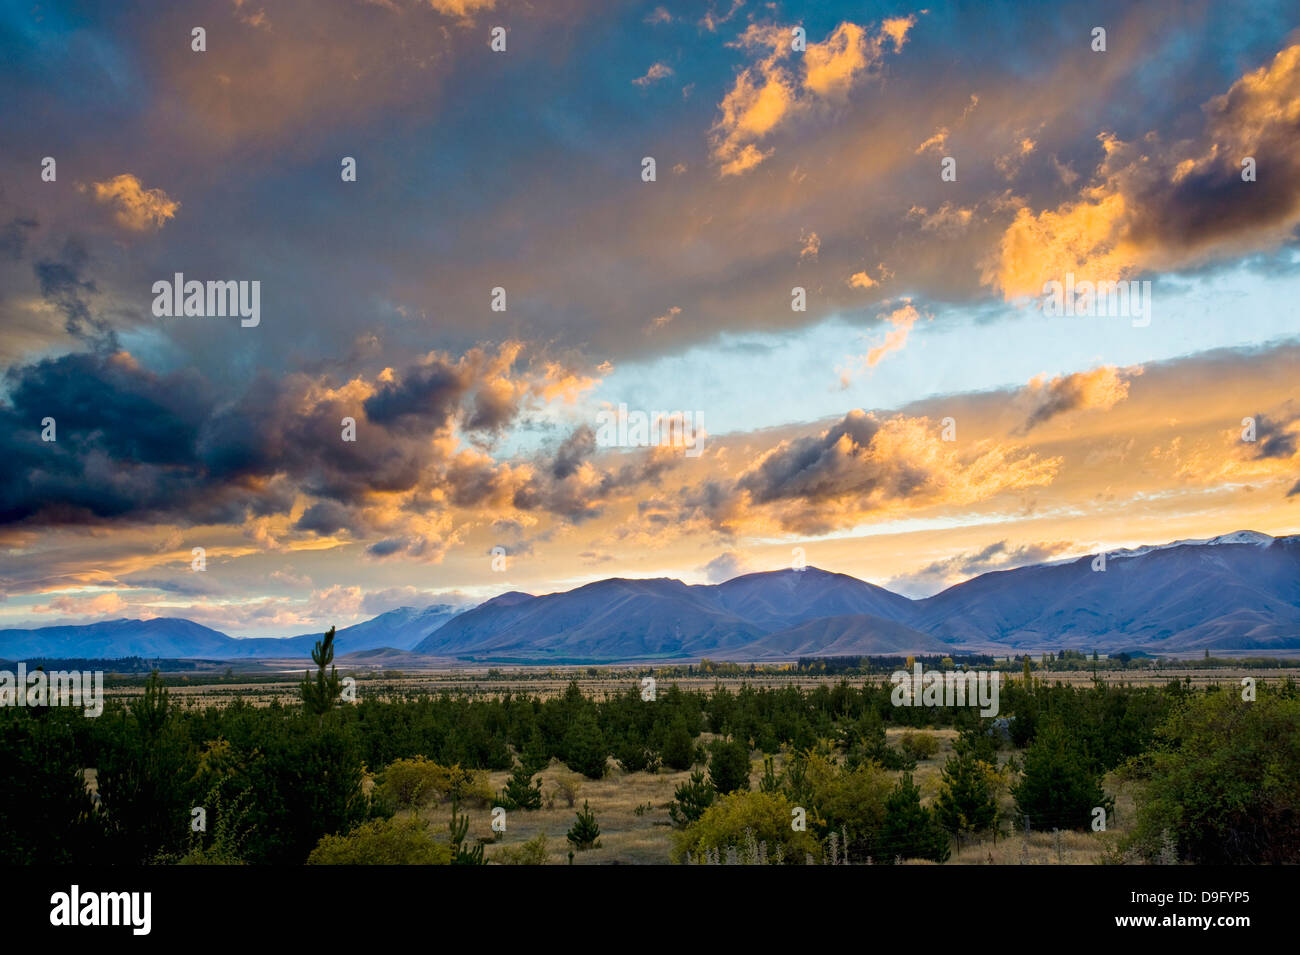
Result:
pixel 1099 389
pixel 135 207
pixel 774 90
pixel 1159 206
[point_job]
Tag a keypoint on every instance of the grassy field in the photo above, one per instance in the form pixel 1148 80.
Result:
pixel 186 688
pixel 632 810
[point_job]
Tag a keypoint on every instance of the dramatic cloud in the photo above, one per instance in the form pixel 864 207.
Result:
pixel 1232 189
pixel 866 466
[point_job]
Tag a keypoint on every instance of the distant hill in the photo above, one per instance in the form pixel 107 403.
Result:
pixel 181 638
pixel 1235 593
pixel 851 635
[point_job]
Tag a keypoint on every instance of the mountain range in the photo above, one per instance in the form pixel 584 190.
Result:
pixel 1235 593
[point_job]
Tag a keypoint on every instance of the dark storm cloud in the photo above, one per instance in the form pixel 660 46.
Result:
pixel 822 467
pixel 1274 437
pixel 424 394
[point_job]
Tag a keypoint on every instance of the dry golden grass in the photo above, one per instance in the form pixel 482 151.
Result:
pixel 630 839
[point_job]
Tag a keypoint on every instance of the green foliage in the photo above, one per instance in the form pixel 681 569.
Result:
pixel 459 829
pixel 144 765
pixel 223 843
pixel 584 833
pixel 1224 781
pixel 305 785
pixel 532 852
pixel 634 756
pixel 46 814
pixel 691 799
pixel 918 746
pixel 520 791
pixel 1057 789
pixel 404 841
pixel 729 821
pixel 678 748
pixel 584 746
pixel 321 695
pixel 413 783
pixel 966 800
pixel 729 766
pixel 769 782
pixel 910 830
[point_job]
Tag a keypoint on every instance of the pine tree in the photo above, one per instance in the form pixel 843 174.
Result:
pixel 1057 789
pixel 691 799
pixel 729 766
pixel 911 830
pixel 584 834
pixel 678 748
pixel 520 792
pixel 322 695
pixel 584 746
pixel 459 827
pixel 965 802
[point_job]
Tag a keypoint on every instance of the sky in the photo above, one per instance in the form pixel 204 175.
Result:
pixel 829 242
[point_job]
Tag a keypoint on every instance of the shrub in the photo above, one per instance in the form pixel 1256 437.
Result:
pixel 919 746
pixel 567 788
pixel 724 824
pixel 1224 781
pixel 404 841
pixel 413 783
pixel 532 852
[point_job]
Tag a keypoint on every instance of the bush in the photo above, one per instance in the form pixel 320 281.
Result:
pixel 729 766
pixel 567 788
pixel 1224 781
pixel 404 841
pixel 532 852
pixel 919 746
pixel 413 783
pixel 725 824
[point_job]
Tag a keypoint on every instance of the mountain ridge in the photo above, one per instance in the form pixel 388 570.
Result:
pixel 1237 592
